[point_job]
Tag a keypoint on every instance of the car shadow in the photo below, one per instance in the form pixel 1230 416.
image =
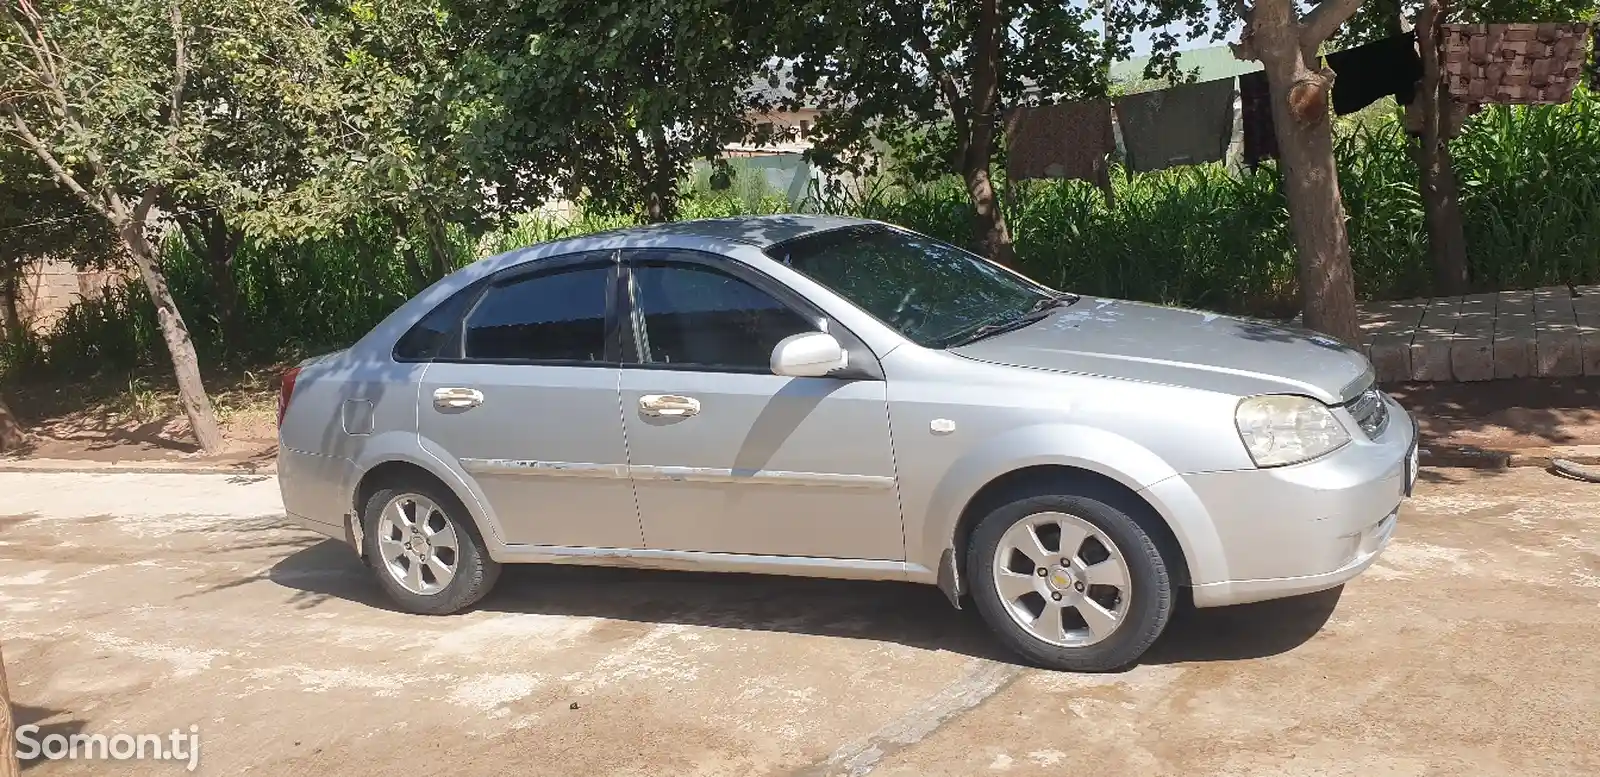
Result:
pixel 914 615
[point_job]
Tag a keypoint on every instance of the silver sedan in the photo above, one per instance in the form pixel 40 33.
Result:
pixel 810 395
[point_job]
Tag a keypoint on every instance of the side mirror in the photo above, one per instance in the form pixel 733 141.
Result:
pixel 808 355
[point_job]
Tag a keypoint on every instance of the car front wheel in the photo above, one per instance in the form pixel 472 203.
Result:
pixel 1070 581
pixel 425 551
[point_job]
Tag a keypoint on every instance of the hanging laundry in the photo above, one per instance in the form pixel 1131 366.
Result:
pixel 1185 125
pixel 1071 140
pixel 1255 112
pixel 1513 64
pixel 1366 74
pixel 1594 65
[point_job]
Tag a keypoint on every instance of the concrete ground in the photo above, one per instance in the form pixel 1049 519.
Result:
pixel 143 603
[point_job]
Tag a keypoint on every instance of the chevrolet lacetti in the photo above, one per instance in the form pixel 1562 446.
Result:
pixel 811 395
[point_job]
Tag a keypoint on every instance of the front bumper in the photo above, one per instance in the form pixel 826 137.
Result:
pixel 1294 530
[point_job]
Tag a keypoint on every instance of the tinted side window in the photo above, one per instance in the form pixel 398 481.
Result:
pixel 695 315
pixel 559 316
pixel 436 332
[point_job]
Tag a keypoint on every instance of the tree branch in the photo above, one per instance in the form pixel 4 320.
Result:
pixel 1324 20
pixel 985 89
pixel 147 202
pixel 66 178
pixel 947 82
pixel 49 78
pixel 180 75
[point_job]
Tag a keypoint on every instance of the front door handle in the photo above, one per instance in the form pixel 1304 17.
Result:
pixel 668 405
pixel 457 398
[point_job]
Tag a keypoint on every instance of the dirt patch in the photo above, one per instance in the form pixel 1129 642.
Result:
pixel 141 421
pixel 1466 650
pixel 1505 415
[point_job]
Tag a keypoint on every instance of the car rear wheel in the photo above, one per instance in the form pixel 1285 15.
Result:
pixel 1070 581
pixel 425 550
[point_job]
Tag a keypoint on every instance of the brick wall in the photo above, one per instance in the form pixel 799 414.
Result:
pixel 48 288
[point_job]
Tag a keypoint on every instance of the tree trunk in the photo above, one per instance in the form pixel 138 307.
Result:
pixel 211 238
pixel 1441 206
pixel 1441 198
pixel 661 183
pixel 438 245
pixel 977 149
pixel 10 315
pixel 8 727
pixel 994 235
pixel 222 247
pixel 226 289
pixel 12 437
pixel 185 363
pixel 655 210
pixel 408 249
pixel 1311 181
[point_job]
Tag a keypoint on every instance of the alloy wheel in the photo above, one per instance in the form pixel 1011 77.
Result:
pixel 417 544
pixel 1062 579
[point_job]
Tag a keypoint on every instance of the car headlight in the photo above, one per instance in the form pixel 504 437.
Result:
pixel 1283 429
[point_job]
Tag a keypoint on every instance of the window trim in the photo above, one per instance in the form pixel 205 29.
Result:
pixel 457 345
pixel 864 364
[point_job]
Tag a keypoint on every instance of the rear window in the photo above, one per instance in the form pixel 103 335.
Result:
pixel 437 334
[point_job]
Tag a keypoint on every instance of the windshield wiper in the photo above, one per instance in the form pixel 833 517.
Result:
pixel 1035 313
pixel 1061 300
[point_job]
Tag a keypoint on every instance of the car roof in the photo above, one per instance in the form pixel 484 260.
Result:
pixel 761 232
pixel 758 231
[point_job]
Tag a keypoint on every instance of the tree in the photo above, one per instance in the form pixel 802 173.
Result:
pixel 1287 42
pixel 1441 197
pixel 38 220
pixel 1440 118
pixel 411 133
pixel 614 101
pixel 885 69
pixel 119 98
pixel 53 59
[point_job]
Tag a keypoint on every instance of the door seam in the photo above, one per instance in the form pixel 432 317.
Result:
pixel 627 456
pixel 894 461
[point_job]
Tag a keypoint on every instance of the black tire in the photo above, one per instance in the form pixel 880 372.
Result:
pixel 1151 598
pixel 476 573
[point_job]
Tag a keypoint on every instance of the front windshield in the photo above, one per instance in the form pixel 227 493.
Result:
pixel 935 294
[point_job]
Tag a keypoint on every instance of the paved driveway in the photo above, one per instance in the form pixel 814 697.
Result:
pixel 144 603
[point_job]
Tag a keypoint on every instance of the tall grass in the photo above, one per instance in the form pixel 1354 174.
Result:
pixel 1531 190
pixel 1204 236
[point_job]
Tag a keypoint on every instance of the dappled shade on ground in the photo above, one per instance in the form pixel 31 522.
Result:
pixel 1505 415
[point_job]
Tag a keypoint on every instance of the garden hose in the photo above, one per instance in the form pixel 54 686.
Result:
pixel 1573 469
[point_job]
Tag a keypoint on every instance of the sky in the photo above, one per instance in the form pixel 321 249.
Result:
pixel 1141 39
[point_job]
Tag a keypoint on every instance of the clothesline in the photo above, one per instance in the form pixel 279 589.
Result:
pixel 1190 124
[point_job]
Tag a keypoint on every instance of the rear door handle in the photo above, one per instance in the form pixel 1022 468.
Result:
pixel 668 405
pixel 457 398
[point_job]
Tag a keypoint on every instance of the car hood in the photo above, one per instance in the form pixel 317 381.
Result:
pixel 1176 346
